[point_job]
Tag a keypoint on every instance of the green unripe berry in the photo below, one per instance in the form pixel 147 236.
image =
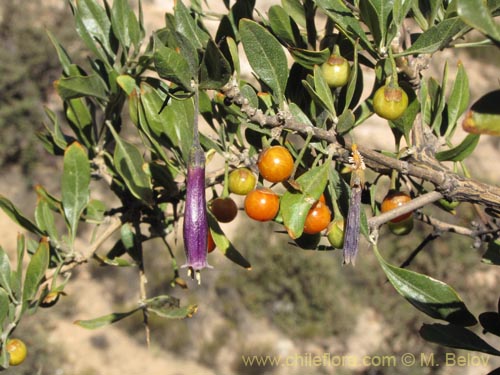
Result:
pixel 336 71
pixel 390 102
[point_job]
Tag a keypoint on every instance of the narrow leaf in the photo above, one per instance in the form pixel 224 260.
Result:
pixel 431 296
pixel 477 15
pixel 45 220
pixel 173 66
pixel 169 307
pixel 124 23
pixel 4 271
pixel 459 96
pixel 8 207
pixel 215 70
pixel 173 120
pixel 345 20
pixel 35 272
pixel 4 306
pixel 75 184
pixel 323 90
pixel 186 25
pixel 129 163
pixel 456 337
pixel 224 245
pixel 436 37
pixel 104 320
pixel 94 27
pixel 80 86
pixel 266 56
pixel 295 205
pixel 460 152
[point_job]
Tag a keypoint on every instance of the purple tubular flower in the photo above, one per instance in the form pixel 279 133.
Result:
pixel 195 229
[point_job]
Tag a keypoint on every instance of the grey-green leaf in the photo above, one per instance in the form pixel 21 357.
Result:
pixel 436 37
pixel 476 14
pixel 169 307
pixel 460 152
pixel 4 306
pixel 75 185
pixel 431 296
pixel 173 66
pixel 129 164
pixel 266 56
pixel 459 96
pixel 124 24
pixel 295 205
pixel 104 320
pixel 35 272
pixel 8 207
pixel 94 27
pixel 4 271
pixel 215 70
pixel 80 86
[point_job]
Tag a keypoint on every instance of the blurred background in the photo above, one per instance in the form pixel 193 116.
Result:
pixel 292 302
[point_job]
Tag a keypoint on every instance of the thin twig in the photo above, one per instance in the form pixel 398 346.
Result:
pixel 451 185
pixel 412 205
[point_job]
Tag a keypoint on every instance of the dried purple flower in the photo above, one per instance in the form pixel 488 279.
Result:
pixel 352 225
pixel 195 229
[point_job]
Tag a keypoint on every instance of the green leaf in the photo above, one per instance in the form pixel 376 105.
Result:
pixel 345 20
pixel 476 14
pixel 376 14
pixel 308 58
pixel 130 165
pixel 173 66
pixel 224 245
pixel 75 184
pixel 266 56
pixel 44 217
pixel 64 58
pixel 8 207
pixel 215 70
pixel 94 27
pixel 431 296
pixel 80 120
pixel 175 121
pixel 460 152
pixel 456 337
pixel 35 272
pixel 284 27
pixel 346 122
pixel 80 86
pixel 323 90
pixel 296 10
pixel 4 307
pixel 4 271
pixel 124 24
pixel 459 96
pixel 127 83
pixel 404 124
pixel 105 320
pixel 186 25
pixel 95 211
pixel 492 254
pixel 295 205
pixel 436 37
pixel 168 307
pixel 299 115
